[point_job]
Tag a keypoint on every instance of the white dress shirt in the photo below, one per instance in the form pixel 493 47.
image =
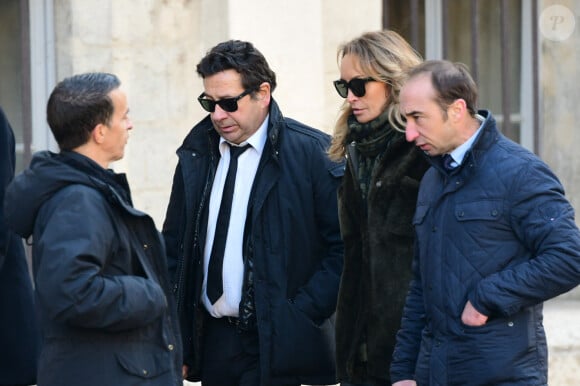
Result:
pixel 233 266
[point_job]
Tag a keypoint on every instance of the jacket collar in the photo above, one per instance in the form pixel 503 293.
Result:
pixel 487 136
pixel 275 128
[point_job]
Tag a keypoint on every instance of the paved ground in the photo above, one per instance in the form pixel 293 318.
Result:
pixel 562 322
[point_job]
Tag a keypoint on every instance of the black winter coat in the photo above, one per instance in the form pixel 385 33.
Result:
pixel 293 238
pixel 18 330
pixel 99 265
pixel 378 241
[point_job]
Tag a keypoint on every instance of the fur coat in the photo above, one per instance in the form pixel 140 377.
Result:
pixel 378 240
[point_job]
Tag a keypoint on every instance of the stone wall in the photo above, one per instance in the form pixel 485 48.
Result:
pixel 155 46
pixel 559 106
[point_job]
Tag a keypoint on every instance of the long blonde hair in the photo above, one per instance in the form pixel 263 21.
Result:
pixel 382 55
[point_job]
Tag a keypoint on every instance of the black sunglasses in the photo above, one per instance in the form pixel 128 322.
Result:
pixel 356 85
pixel 227 104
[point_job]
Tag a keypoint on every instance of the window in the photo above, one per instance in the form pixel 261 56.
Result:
pixel 495 38
pixel 15 74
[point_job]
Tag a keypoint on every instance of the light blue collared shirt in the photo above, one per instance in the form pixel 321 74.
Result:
pixel 459 153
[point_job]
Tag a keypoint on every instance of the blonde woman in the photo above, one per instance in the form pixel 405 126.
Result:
pixel 376 203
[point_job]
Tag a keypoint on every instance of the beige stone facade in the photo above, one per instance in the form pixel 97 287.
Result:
pixel 560 110
pixel 154 46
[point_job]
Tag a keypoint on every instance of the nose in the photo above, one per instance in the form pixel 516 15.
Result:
pixel 129 124
pixel 411 133
pixel 218 113
pixel 350 97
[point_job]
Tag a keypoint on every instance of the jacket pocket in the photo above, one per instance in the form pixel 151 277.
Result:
pixel 300 345
pixel 337 170
pixel 474 352
pixel 145 362
pixel 482 223
pixel 420 214
pixel 484 210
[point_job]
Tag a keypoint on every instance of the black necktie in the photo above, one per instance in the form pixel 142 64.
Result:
pixel 215 286
pixel 447 162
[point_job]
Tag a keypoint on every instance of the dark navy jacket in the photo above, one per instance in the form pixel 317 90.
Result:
pixel 292 237
pixel 103 297
pixel 499 232
pixel 18 330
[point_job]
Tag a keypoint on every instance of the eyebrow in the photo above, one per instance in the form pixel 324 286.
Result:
pixel 410 113
pixel 204 95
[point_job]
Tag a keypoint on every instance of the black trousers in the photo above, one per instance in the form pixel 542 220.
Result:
pixel 230 357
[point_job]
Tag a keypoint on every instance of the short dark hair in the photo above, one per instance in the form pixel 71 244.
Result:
pixel 78 104
pixel 242 57
pixel 451 81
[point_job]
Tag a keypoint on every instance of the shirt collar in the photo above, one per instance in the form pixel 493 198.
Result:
pixel 459 153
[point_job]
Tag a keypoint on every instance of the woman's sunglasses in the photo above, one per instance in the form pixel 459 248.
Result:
pixel 356 85
pixel 227 104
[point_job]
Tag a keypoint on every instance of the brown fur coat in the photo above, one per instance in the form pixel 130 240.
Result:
pixel 378 244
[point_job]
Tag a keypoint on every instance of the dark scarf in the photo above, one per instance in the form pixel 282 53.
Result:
pixel 371 140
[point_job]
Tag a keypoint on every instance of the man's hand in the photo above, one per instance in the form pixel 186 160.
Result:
pixel 472 317
pixel 405 383
pixel 184 371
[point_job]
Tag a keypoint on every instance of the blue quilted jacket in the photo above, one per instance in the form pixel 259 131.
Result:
pixel 499 232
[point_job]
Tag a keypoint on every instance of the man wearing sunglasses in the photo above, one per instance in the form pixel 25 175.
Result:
pixel 255 263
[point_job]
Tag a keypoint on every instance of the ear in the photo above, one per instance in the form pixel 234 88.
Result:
pixel 457 110
pixel 263 94
pixel 98 133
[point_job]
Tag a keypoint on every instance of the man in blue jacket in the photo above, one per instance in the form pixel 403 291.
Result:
pixel 99 265
pixel 259 312
pixel 496 238
pixel 18 330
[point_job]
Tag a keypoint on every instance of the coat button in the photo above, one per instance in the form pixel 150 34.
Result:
pixel 145 372
pixel 170 347
pixel 510 323
pixel 379 184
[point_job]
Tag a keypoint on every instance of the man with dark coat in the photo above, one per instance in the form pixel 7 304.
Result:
pixel 266 318
pixel 99 265
pixel 496 237
pixel 18 330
